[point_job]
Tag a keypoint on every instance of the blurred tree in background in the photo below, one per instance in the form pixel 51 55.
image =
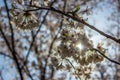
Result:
pixel 59 40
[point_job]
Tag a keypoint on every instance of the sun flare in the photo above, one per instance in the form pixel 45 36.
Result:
pixel 80 46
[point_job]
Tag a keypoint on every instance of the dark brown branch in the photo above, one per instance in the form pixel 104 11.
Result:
pixel 8 45
pixel 73 68
pixel 28 53
pixel 78 20
pixel 26 70
pixel 12 33
pixel 105 56
pixel 12 37
pixel 5 39
pixel 28 73
pixel 1 53
pixel 51 45
pixel 34 37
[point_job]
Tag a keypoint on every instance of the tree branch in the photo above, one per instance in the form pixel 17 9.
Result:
pixel 34 37
pixel 1 53
pixel 12 33
pixel 12 37
pixel 51 45
pixel 5 39
pixel 26 70
pixel 78 20
pixel 93 49
pixel 73 68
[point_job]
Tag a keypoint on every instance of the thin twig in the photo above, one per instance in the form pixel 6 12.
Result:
pixel 26 70
pixel 105 56
pixel 1 53
pixel 34 37
pixel 73 68
pixel 51 45
pixel 5 39
pixel 28 73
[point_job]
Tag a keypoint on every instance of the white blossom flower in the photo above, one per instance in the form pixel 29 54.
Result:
pixel 22 18
pixel 76 45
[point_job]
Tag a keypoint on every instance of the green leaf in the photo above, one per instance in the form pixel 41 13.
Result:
pixel 77 9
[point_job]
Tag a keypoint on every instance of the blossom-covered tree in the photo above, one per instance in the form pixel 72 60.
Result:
pixel 51 40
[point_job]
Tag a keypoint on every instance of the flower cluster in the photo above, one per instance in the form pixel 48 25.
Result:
pixel 77 47
pixel 22 18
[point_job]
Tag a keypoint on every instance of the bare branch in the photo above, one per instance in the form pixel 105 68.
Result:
pixel 12 36
pixel 73 68
pixel 51 45
pixel 26 70
pixel 5 39
pixel 1 53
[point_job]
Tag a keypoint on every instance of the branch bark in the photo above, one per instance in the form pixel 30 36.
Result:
pixel 105 56
pixel 78 20
pixel 13 47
